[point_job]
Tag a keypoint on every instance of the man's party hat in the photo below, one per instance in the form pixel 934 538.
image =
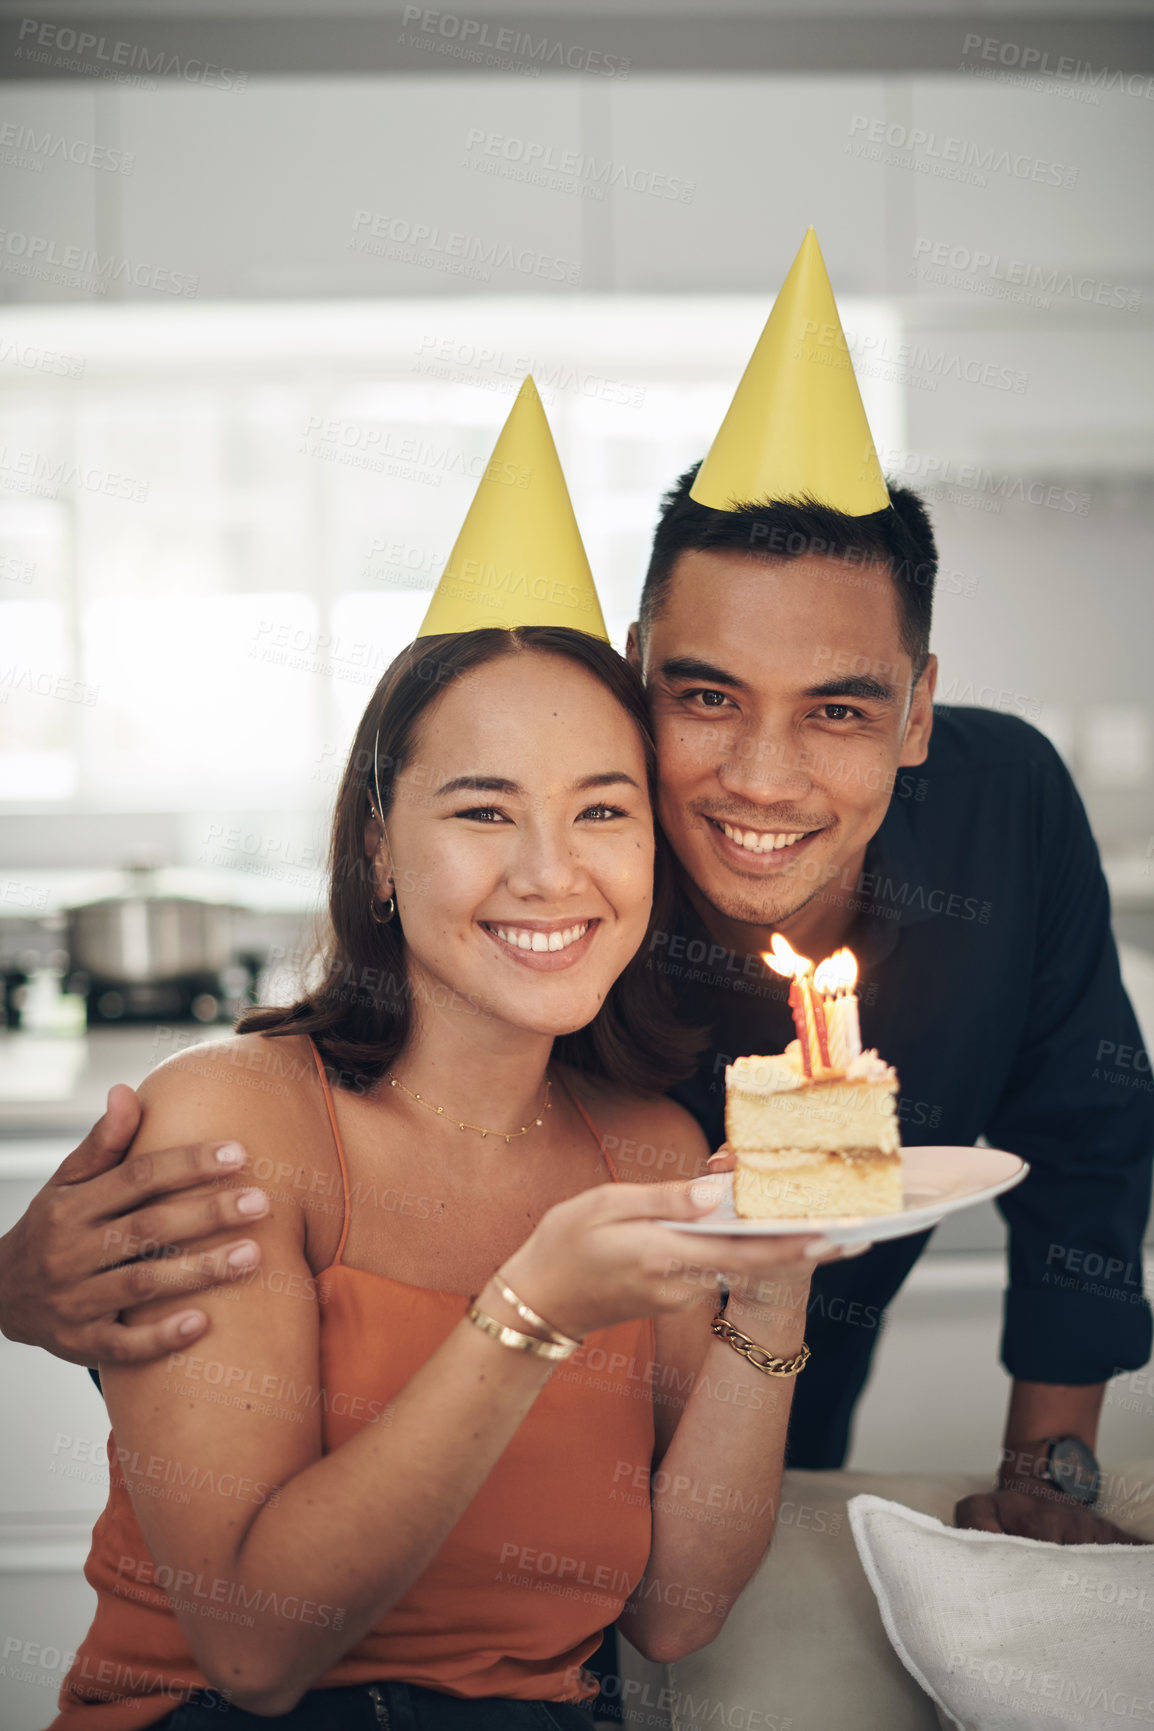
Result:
pixel 518 559
pixel 796 427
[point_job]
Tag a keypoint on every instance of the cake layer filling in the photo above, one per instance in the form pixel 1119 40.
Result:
pixel 818 1189
pixel 773 1160
pixel 822 1119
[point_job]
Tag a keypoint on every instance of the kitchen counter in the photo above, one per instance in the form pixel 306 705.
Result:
pixel 56 1085
pixel 46 890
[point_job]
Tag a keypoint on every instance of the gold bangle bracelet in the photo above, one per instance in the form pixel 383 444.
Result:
pixel 532 1317
pixel 513 1336
pixel 758 1356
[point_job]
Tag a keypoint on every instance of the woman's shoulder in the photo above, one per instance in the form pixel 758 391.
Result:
pixel 649 1137
pixel 262 1092
pixel 240 1081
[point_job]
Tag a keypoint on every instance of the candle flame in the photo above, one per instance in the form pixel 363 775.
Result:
pixel 784 960
pixel 837 974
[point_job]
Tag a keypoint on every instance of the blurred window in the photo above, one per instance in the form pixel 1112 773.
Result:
pixel 218 524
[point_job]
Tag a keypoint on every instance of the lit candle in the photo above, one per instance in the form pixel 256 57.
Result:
pixel 808 1009
pixel 834 980
pixel 802 1008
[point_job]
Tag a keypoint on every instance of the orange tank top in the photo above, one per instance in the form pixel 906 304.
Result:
pixel 540 1563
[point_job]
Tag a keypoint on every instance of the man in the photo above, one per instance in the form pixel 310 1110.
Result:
pixel 807 788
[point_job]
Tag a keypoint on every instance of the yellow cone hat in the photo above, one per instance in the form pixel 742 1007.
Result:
pixel 796 427
pixel 519 559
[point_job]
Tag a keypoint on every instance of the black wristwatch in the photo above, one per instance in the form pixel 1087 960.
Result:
pixel 1071 1467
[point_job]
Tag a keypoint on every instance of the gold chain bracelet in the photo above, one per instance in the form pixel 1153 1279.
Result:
pixel 758 1355
pixel 514 1338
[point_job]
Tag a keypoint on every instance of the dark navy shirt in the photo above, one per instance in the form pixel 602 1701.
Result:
pixel 989 980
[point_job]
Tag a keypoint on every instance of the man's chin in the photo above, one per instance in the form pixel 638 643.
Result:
pixel 752 914
pixel 756 904
pixel 762 910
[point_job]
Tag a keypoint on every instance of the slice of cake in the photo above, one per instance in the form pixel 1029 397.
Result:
pixel 813 1147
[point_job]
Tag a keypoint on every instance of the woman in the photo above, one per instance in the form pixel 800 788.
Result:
pixel 363 1500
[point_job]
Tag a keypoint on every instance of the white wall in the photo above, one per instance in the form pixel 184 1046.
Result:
pixel 252 193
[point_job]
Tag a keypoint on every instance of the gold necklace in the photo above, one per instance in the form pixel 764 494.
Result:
pixel 462 1123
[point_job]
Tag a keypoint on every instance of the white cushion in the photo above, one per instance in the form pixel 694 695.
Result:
pixel 805 1642
pixel 1012 1634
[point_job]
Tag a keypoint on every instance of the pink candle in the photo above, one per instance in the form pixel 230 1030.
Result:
pixel 809 1009
pixel 815 1012
pixel 801 1024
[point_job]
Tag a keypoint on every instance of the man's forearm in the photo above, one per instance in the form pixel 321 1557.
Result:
pixel 1037 1508
pixel 1045 1409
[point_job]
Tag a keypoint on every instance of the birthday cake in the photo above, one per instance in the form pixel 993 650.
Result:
pixel 814 1129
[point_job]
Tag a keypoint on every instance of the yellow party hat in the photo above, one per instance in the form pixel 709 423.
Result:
pixel 518 559
pixel 796 427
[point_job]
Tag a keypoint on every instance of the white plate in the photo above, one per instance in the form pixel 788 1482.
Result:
pixel 935 1182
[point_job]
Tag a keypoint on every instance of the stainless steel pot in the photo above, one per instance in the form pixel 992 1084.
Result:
pixel 133 940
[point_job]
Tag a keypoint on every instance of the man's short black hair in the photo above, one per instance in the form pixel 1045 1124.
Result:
pixel 899 537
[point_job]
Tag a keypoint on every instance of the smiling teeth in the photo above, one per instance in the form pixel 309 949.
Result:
pixel 540 941
pixel 758 841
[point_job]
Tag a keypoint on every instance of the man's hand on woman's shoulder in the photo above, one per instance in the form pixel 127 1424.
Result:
pixel 111 1230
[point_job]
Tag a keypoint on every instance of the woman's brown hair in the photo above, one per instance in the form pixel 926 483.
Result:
pixel 360 1014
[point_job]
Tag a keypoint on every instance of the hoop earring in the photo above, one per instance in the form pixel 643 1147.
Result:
pixel 390 908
